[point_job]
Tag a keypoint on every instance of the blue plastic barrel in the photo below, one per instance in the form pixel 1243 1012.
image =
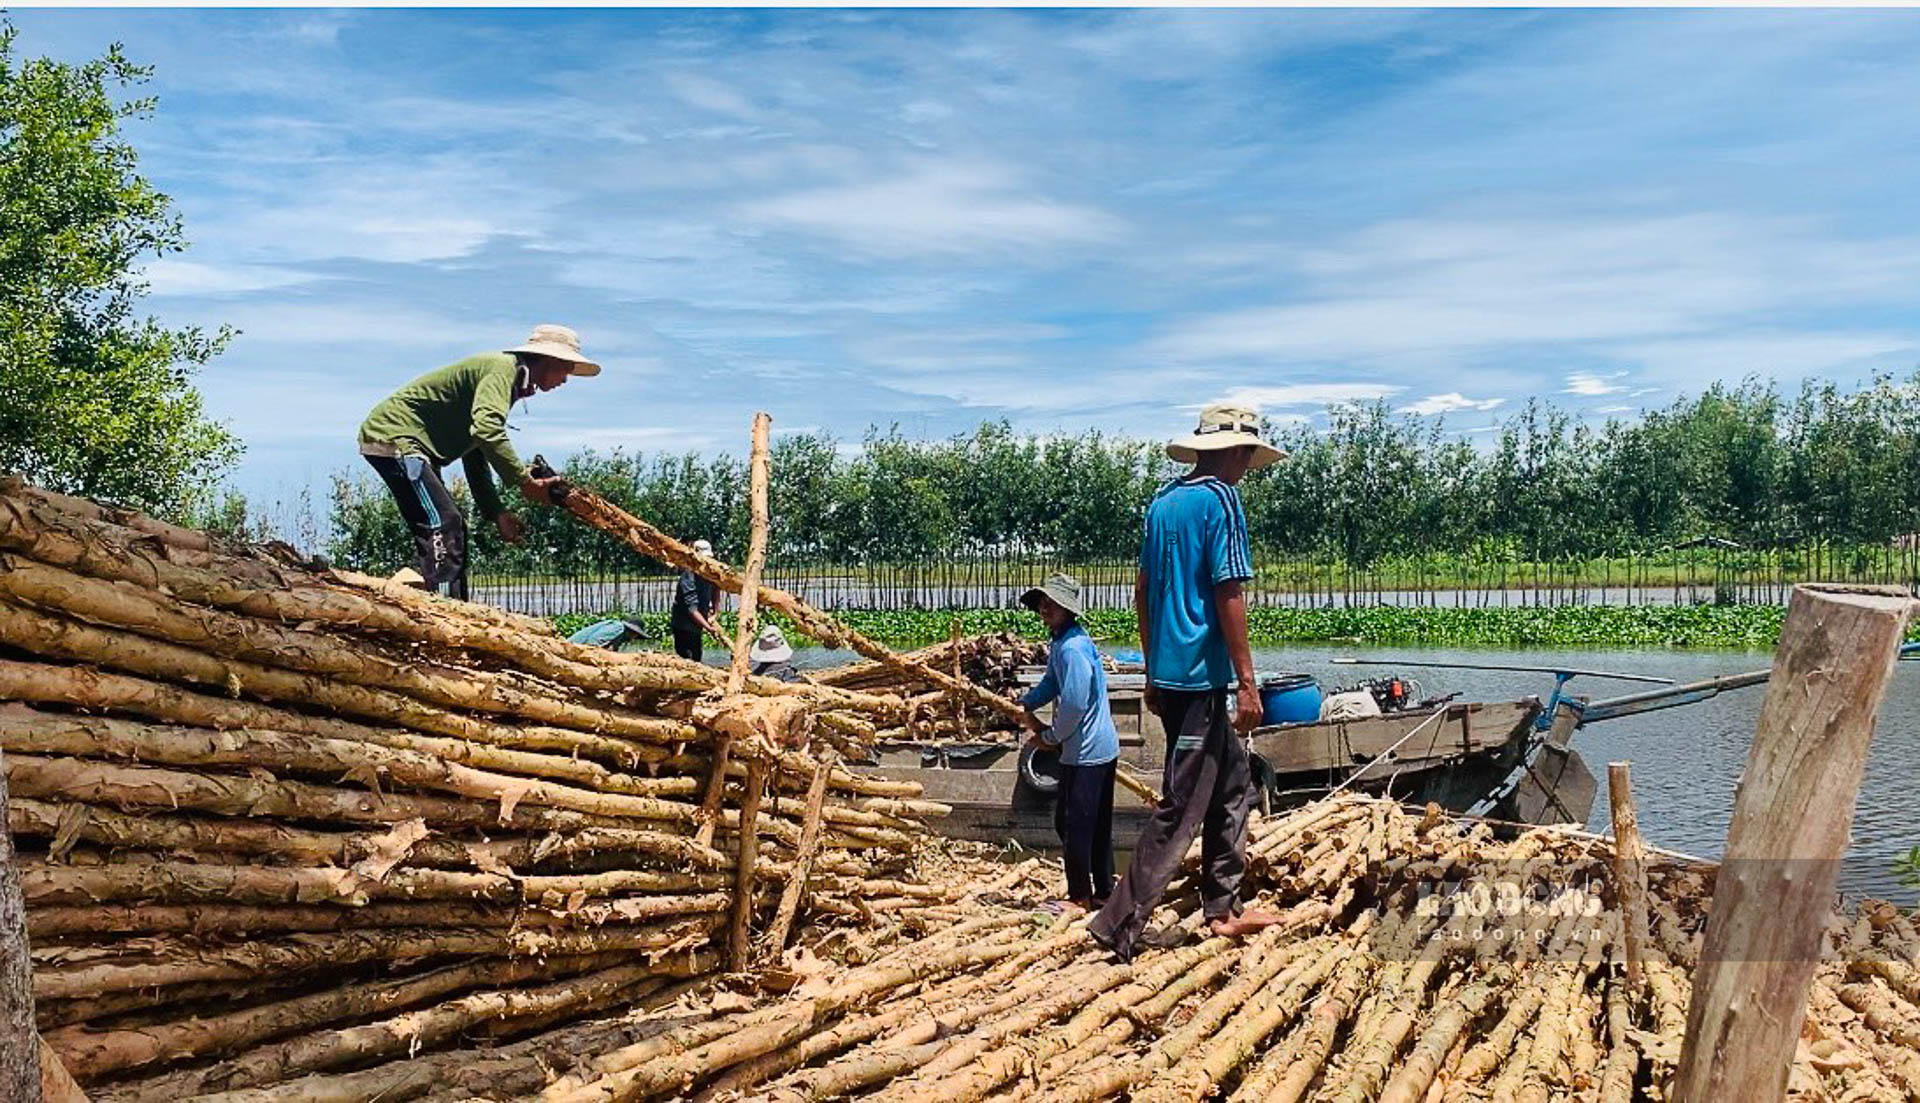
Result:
pixel 1289 699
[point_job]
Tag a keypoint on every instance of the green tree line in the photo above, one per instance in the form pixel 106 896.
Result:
pixel 1739 463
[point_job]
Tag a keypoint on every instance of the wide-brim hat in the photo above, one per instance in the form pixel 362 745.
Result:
pixel 1225 426
pixel 560 343
pixel 1063 589
pixel 770 647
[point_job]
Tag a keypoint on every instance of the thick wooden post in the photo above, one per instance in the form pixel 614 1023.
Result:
pixel 743 635
pixel 740 931
pixel 1791 818
pixel 19 1040
pixel 795 892
pixel 1629 866
pixel 756 555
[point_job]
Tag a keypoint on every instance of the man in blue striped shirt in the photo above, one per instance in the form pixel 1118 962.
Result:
pixel 1194 558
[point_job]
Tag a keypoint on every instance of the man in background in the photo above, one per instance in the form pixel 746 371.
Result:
pixel 459 412
pixel 692 619
pixel 772 656
pixel 1194 559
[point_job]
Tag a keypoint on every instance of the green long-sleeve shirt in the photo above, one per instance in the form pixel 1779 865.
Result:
pixel 458 412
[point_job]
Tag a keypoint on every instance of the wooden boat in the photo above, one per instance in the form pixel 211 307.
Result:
pixel 1505 760
pixel 1461 755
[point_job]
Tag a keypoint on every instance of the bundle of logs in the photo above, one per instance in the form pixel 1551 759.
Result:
pixel 993 661
pixel 1421 959
pixel 254 800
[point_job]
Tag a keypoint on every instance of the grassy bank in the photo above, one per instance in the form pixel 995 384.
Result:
pixel 1692 626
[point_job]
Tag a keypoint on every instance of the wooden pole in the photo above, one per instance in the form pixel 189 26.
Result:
pixel 1791 819
pixel 649 541
pixel 19 1041
pixel 756 557
pixel 794 894
pixel 1629 866
pixel 740 929
pixel 743 636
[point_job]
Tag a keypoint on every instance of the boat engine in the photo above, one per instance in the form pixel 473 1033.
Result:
pixel 1393 693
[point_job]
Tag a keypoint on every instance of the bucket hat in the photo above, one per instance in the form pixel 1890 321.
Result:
pixel 1064 589
pixel 703 547
pixel 1225 426
pixel 560 343
pixel 770 647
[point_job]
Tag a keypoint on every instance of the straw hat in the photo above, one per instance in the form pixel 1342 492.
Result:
pixel 560 343
pixel 1064 589
pixel 770 647
pixel 1225 426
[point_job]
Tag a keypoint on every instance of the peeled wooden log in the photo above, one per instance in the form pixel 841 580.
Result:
pixel 91 1054
pixel 156 616
pixel 79 780
pixel 82 507
pixel 654 544
pixel 1263 957
pixel 185 964
pixel 1418 1070
pixel 1288 1083
pixel 26 729
pixel 109 552
pixel 88 688
pixel 51 1014
pixel 664 1063
pixel 202 882
pixel 426 1028
pixel 54 923
pixel 260 838
pixel 45 634
pixel 516 1069
pixel 795 890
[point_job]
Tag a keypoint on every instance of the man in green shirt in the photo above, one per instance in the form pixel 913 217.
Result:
pixel 460 412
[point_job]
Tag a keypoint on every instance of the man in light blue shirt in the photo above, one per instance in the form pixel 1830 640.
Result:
pixel 1194 558
pixel 1076 685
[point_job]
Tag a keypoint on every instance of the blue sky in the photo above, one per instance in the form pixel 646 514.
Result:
pixel 1067 219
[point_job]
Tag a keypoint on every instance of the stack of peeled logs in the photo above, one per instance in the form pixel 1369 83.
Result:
pixel 254 799
pixel 1421 959
pixel 993 661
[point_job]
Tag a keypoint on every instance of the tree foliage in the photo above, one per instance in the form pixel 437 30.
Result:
pixel 94 398
pixel 1736 462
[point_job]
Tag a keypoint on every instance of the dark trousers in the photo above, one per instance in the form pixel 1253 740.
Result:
pixel 1083 816
pixel 1208 789
pixel 439 530
pixel 689 643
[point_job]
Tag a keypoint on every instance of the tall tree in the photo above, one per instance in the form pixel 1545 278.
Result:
pixel 94 398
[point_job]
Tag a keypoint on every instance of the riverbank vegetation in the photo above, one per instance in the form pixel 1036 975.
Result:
pixel 1739 627
pixel 1738 482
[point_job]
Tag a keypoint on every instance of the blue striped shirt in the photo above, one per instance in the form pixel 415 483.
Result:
pixel 1196 538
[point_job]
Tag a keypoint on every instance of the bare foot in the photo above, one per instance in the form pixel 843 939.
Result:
pixel 1083 906
pixel 1246 923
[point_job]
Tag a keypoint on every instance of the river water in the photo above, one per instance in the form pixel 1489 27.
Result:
pixel 1686 760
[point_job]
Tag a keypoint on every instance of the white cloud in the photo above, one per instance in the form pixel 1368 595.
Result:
pixel 1775 354
pixel 172 276
pixel 1264 398
pixel 708 94
pixel 943 209
pixel 1588 384
pixel 1447 289
pixel 1449 403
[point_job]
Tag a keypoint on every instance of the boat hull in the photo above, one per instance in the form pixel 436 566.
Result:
pixel 1458 755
